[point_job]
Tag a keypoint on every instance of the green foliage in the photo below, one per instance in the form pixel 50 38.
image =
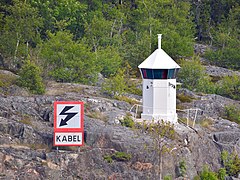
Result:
pixel 79 39
pixel 67 60
pixel 118 156
pixel 108 158
pixel 225 37
pixel 184 98
pixel 167 177
pixel 231 163
pixel 170 19
pixel 127 121
pixel 160 130
pixel 206 174
pixel 182 168
pixel 232 113
pixel 222 174
pixel 20 29
pixel 115 85
pixel 7 80
pixel 121 83
pixel 126 99
pixel 109 61
pixel 227 57
pixel 121 156
pixel 192 76
pixel 60 15
pixel 30 78
pixel 229 86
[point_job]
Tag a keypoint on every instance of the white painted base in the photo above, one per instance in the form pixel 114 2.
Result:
pixel 172 118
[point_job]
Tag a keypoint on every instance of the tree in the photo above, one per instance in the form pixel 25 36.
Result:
pixel 161 132
pixel 67 60
pixel 109 60
pixel 167 18
pixel 20 30
pixel 62 15
pixel 227 41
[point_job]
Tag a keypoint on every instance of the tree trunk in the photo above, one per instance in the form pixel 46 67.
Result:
pixel 150 25
pixel 16 50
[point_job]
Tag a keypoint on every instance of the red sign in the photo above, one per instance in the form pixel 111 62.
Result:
pixel 68 123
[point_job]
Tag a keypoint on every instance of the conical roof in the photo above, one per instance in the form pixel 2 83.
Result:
pixel 159 59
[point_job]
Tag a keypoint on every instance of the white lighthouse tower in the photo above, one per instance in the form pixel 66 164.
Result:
pixel 159 86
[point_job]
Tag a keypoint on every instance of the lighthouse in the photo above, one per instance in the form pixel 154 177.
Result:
pixel 159 72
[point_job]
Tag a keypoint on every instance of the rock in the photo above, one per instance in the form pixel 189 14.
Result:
pixel 26 133
pixel 219 71
pixel 200 49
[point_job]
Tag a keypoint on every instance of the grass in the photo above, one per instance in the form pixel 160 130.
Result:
pixel 127 99
pixel 184 98
pixel 180 107
pixel 206 123
pixel 26 120
pixel 7 80
pixel 97 115
pixel 38 146
pixel 184 120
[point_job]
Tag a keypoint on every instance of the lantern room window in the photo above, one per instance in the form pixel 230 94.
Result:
pixel 159 73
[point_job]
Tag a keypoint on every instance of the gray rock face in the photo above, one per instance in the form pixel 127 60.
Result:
pixel 26 132
pixel 219 71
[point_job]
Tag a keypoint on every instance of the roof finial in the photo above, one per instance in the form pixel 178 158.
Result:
pixel 159 41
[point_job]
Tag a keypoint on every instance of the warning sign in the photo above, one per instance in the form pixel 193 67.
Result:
pixel 68 123
pixel 68 116
pixel 68 139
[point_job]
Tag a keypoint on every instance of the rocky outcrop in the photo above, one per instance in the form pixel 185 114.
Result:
pixel 216 71
pixel 26 132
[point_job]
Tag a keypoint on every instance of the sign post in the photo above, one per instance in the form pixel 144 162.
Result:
pixel 68 123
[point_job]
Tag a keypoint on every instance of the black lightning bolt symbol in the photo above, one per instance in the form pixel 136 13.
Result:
pixel 68 117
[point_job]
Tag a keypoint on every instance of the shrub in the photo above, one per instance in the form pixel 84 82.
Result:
pixel 120 83
pixel 121 156
pixel 231 163
pixel 222 174
pixel 182 168
pixel 230 87
pixel 206 174
pixel 232 113
pixel 227 57
pixel 192 76
pixel 167 177
pixel 118 156
pixel 30 78
pixel 127 121
pixel 108 159
pixel 115 85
